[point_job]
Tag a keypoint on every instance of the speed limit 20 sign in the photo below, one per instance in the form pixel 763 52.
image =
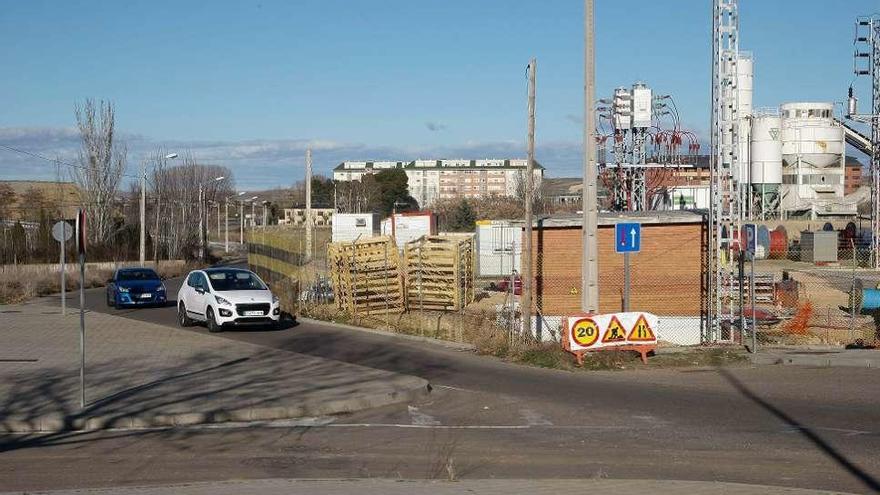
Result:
pixel 585 332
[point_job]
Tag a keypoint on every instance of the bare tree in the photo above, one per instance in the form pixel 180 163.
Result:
pixel 102 162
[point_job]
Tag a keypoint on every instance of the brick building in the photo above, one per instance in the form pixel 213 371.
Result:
pixel 667 277
pixel 852 176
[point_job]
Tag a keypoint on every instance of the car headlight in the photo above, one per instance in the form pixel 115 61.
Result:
pixel 275 299
pixel 222 301
pixel 122 289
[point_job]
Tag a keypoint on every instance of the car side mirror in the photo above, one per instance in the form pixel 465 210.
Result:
pixel 109 280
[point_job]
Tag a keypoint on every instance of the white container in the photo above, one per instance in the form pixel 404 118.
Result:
pixel 406 227
pixel 499 248
pixel 348 226
pixel 766 150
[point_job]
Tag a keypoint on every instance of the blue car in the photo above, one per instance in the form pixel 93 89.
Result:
pixel 135 287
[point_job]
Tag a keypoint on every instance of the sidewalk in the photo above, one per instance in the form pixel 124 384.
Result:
pixel 479 487
pixel 830 357
pixel 139 374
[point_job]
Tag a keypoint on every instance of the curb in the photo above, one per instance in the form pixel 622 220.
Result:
pixel 819 361
pixel 458 346
pixel 56 423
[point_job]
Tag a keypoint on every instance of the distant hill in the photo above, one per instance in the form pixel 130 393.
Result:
pixel 63 194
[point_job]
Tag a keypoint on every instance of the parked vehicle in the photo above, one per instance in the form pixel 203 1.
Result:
pixel 135 287
pixel 222 297
pixel 503 285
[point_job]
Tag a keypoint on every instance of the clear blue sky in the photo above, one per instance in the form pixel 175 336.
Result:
pixel 249 84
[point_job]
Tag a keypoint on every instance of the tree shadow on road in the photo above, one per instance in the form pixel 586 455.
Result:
pixel 809 434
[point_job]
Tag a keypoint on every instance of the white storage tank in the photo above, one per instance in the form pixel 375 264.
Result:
pixel 499 248
pixel 745 90
pixel 810 135
pixel 813 154
pixel 766 151
pixel 348 226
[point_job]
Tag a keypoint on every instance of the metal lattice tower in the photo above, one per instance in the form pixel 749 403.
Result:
pixel 867 43
pixel 725 216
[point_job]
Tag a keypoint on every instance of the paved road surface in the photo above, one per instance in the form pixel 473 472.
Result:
pixel 797 427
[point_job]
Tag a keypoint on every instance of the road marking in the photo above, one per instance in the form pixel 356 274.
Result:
pixel 421 419
pixel 534 418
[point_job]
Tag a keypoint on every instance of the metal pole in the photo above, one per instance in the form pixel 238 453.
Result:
pixel 852 297
pixel 218 221
pixel 741 263
pixel 625 282
pixel 752 296
pixel 253 216
pixel 63 243
pixel 143 241
pixel 82 330
pixel 530 166
pixel 308 205
pixel 201 234
pixel 590 256
pixel 226 226
pixel 241 222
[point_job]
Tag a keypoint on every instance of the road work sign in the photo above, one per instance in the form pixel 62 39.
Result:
pixel 615 329
pixel 628 237
pixel 634 331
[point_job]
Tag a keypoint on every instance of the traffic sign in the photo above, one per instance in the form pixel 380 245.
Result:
pixel 62 231
pixel 615 331
pixel 585 332
pixel 628 237
pixel 751 240
pixel 642 331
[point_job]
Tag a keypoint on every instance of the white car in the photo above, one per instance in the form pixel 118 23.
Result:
pixel 226 297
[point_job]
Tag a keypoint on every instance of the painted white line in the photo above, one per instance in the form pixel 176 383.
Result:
pixel 421 419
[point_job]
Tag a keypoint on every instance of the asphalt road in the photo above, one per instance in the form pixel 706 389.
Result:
pixel 808 428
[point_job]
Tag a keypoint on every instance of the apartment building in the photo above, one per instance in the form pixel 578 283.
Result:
pixel 433 180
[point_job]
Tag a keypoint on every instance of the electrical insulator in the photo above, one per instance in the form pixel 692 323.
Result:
pixel 852 104
pixel 622 109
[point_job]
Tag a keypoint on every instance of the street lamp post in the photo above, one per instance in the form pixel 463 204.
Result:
pixel 241 203
pixel 142 252
pixel 226 228
pixel 203 217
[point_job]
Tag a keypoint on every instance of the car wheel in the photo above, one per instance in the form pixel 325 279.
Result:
pixel 183 319
pixel 213 327
pixel 110 302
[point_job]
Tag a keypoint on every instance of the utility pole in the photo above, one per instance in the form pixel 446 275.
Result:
pixel 226 226
pixel 241 222
pixel 526 308
pixel 590 257
pixel 142 252
pixel 308 205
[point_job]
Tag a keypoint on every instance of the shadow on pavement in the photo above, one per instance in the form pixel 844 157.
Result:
pixel 810 435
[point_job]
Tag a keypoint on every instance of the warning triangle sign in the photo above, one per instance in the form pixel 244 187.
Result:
pixel 641 331
pixel 615 332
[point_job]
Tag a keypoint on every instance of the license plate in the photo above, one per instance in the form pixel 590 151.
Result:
pixel 253 313
pixel 146 295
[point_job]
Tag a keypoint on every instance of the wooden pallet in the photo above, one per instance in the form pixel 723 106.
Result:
pixel 366 276
pixel 439 273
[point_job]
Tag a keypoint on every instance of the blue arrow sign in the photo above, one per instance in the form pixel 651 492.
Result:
pixel 628 237
pixel 751 239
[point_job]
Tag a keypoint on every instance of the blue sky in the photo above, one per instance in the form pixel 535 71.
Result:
pixel 251 84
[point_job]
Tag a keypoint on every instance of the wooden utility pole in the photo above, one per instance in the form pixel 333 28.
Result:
pixel 308 204
pixel 526 308
pixel 590 256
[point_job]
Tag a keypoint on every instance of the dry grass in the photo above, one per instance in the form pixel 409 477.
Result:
pixel 18 285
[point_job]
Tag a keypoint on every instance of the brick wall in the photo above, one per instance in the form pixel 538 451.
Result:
pixel 666 276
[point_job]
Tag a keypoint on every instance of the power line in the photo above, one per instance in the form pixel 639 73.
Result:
pixel 55 160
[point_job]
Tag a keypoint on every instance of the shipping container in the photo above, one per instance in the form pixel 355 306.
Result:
pixel 499 248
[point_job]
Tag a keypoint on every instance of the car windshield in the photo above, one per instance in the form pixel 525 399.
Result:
pixel 234 280
pixel 137 275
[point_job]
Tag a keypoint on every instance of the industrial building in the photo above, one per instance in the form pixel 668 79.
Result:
pixel 433 180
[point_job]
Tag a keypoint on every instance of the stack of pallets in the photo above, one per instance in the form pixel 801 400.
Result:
pixel 439 273
pixel 366 276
